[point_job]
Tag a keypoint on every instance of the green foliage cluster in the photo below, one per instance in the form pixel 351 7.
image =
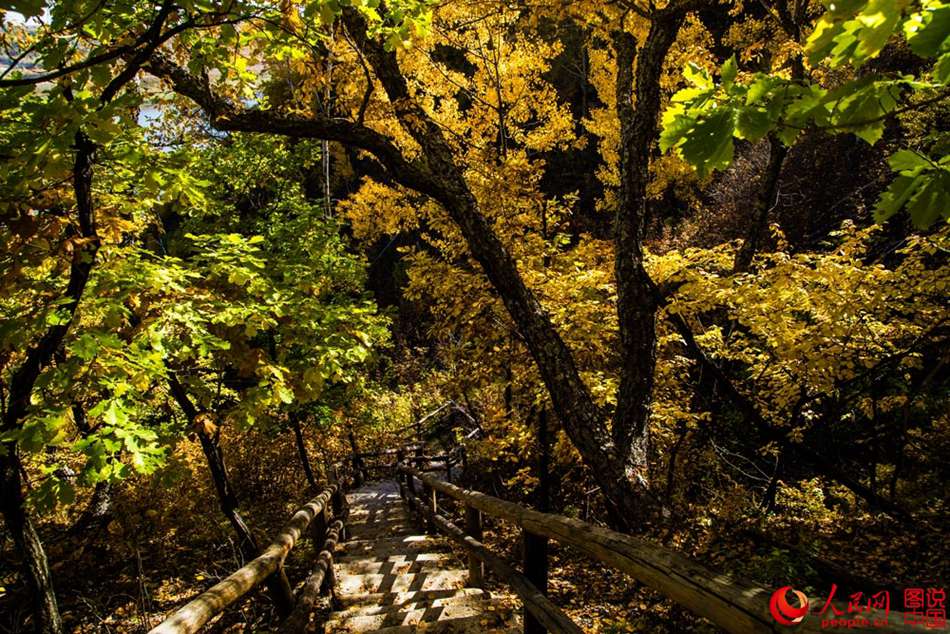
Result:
pixel 703 119
pixel 258 312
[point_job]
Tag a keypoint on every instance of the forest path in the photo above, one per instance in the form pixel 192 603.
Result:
pixel 393 579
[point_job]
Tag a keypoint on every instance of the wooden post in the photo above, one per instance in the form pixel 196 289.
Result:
pixel 358 475
pixel 318 528
pixel 330 513
pixel 329 581
pixel 401 477
pixel 535 546
pixel 429 499
pixel 473 528
pixel 411 496
pixel 536 570
pixel 420 452
pixel 339 510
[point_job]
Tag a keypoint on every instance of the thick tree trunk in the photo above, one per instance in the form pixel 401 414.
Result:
pixel 636 303
pixel 46 618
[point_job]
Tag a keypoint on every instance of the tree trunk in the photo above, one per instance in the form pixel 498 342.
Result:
pixel 765 202
pixel 636 303
pixel 46 618
pixel 302 451
pixel 98 512
pixel 203 426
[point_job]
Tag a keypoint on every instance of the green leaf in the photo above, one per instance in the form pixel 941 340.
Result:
pixel 931 201
pixel 709 145
pixel 697 76
pixel 942 69
pixel 895 197
pixel 729 71
pixel 907 160
pixel 676 125
pixel 753 124
pixel 928 32
pixel 852 31
pixel 922 186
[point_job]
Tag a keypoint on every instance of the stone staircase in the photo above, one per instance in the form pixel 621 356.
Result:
pixel 393 579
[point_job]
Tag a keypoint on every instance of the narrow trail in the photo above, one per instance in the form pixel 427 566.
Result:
pixel 392 578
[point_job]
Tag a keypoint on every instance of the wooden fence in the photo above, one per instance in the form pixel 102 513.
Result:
pixel 734 605
pixel 325 516
pixel 369 465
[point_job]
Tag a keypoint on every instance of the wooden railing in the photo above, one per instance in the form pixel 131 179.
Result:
pixel 380 465
pixel 735 606
pixel 325 515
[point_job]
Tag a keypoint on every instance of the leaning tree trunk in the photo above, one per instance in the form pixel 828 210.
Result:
pixel 302 451
pixel 204 428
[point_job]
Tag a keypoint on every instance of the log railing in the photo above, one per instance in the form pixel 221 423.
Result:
pixel 735 606
pixel 325 515
pixel 369 465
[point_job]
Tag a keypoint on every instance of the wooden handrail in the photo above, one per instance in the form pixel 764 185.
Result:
pixel 553 618
pixel 736 606
pixel 322 575
pixel 193 616
pixel 383 452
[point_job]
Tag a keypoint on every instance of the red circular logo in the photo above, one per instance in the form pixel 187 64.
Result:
pixel 783 612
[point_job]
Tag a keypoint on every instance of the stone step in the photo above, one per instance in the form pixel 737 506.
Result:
pixel 411 601
pixel 405 598
pixel 466 625
pixel 426 580
pixel 376 531
pixel 370 520
pixel 385 547
pixel 489 614
pixel 391 578
pixel 397 564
